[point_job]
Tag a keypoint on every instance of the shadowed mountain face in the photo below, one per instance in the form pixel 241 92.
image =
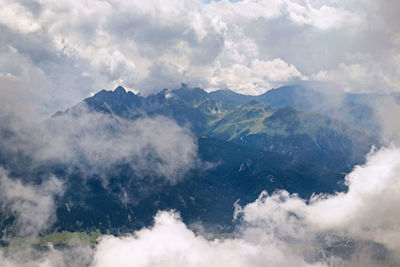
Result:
pixel 241 151
pixel 205 195
pixel 129 200
pixel 303 135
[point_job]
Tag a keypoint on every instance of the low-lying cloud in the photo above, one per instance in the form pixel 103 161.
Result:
pixel 97 142
pixel 32 206
pixel 283 229
pixel 155 146
pixel 47 257
pixel 354 228
pixel 93 142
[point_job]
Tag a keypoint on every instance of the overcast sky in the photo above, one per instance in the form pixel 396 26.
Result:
pixel 54 53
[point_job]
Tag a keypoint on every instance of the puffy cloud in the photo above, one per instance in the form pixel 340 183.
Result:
pixel 171 243
pixel 367 211
pixel 255 78
pixel 68 49
pixel 18 18
pixel 282 229
pixel 323 18
pixel 275 70
pixel 354 228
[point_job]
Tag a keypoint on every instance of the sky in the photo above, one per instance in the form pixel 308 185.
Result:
pixel 55 53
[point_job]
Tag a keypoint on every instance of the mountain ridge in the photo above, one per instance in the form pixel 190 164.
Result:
pixel 250 148
pixel 302 134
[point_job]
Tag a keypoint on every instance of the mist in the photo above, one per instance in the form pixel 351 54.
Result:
pixel 280 229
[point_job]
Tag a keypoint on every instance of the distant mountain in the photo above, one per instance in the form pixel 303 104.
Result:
pixel 357 110
pixel 286 96
pixel 304 135
pixel 231 97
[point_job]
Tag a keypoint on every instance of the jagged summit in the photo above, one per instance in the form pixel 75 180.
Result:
pixel 120 90
pixel 254 146
pixel 273 124
pixel 248 120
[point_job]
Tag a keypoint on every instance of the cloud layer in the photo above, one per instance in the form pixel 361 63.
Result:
pixel 282 229
pixel 354 228
pixel 55 53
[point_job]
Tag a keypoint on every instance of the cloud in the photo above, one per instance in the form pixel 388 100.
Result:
pixel 358 227
pixel 68 49
pixel 282 229
pixel 49 257
pixel 97 142
pixel 151 146
pixel 324 17
pixel 32 206
pixel 93 142
pixel 18 18
pixel 367 211
pixel 171 243
pixel 254 78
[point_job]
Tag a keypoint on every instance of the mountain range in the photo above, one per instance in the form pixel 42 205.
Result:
pixel 304 135
pixel 247 147
pixel 356 109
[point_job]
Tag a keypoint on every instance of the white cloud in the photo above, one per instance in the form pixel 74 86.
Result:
pixel 171 243
pixel 150 45
pixel 32 206
pixel 18 18
pixel 156 146
pixel 256 78
pixel 348 76
pixel 96 142
pixel 246 10
pixel 322 18
pixel 362 77
pixel 281 229
pixel 277 230
pixel 275 70
pixel 368 211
